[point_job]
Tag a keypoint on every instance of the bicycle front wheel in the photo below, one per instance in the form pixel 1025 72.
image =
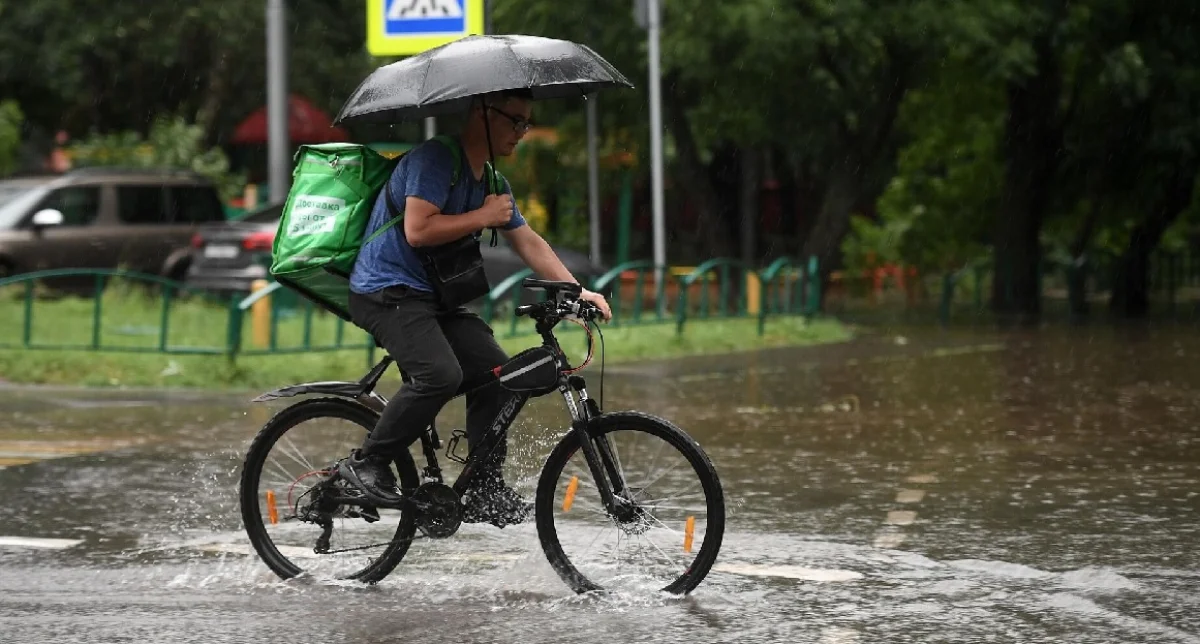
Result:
pixel 670 515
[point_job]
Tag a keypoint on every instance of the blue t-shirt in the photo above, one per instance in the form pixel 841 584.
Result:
pixel 425 172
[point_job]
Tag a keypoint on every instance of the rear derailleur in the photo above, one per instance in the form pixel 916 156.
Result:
pixel 322 502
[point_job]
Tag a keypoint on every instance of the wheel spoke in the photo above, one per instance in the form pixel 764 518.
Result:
pixel 289 449
pixel 309 432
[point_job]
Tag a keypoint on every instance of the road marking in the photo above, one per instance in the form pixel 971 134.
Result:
pixel 901 517
pixel 34 542
pixel 890 540
pixel 839 635
pixel 789 572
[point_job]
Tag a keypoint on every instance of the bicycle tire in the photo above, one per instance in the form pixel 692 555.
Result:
pixel 677 438
pixel 270 433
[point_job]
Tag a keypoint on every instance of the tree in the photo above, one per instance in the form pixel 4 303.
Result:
pixel 110 67
pixel 947 185
pixel 171 143
pixel 10 135
pixel 1077 136
pixel 1170 152
pixel 819 80
pixel 1033 137
pixel 816 82
pixel 1129 158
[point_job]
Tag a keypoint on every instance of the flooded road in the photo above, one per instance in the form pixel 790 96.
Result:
pixel 912 486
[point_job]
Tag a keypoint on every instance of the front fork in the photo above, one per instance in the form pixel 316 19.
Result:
pixel 597 451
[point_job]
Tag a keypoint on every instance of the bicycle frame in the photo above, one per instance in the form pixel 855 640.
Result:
pixel 602 462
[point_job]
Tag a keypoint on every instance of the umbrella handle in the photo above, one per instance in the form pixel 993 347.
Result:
pixel 489 168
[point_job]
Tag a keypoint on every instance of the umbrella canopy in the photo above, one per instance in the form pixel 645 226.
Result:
pixel 444 79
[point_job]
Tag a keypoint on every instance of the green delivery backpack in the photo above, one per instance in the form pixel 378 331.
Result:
pixel 334 186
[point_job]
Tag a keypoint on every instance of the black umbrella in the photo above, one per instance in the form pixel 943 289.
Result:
pixel 445 79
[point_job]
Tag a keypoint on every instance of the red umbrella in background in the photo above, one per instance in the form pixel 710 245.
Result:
pixel 306 124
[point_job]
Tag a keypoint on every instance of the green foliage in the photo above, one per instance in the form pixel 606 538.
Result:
pixel 114 67
pixel 11 119
pixel 172 143
pixel 571 228
pixel 552 172
pixel 557 172
pixel 936 210
pixel 871 244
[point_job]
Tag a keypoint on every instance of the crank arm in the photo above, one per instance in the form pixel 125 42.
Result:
pixel 405 504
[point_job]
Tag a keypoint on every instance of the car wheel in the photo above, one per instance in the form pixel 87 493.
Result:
pixel 178 273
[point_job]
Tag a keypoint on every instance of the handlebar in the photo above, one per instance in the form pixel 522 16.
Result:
pixel 552 311
pixel 563 303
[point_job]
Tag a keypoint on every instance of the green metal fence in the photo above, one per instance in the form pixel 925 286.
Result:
pixel 127 311
pixel 1171 276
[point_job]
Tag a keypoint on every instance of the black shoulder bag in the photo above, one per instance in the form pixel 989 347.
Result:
pixel 455 269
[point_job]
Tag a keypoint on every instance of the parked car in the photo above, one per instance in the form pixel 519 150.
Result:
pixel 134 219
pixel 229 257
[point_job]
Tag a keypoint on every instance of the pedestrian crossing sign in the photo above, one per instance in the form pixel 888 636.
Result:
pixel 407 27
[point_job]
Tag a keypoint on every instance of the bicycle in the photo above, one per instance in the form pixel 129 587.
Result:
pixel 576 502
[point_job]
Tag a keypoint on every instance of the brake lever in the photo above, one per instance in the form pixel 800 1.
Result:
pixel 584 310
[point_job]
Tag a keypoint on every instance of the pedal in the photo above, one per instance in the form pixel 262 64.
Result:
pixel 452 446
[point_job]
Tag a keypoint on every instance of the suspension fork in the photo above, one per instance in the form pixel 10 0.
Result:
pixel 597 451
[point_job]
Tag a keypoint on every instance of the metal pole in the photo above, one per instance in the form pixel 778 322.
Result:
pixel 656 153
pixel 277 102
pixel 430 127
pixel 593 180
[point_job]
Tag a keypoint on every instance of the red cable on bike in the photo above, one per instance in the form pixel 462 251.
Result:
pixel 302 477
pixel 591 345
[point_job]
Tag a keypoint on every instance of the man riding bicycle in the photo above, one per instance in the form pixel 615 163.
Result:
pixel 407 290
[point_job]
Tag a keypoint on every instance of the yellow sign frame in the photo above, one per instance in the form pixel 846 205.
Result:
pixel 379 43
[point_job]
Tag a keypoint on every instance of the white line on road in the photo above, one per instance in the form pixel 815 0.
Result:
pixel 901 517
pixel 890 539
pixel 34 542
pixel 839 635
pixel 790 572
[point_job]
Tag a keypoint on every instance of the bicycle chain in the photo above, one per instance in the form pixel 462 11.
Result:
pixel 375 545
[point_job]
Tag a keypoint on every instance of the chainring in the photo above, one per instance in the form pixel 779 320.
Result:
pixel 444 515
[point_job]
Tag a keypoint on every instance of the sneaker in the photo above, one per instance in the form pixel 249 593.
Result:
pixel 372 475
pixel 494 502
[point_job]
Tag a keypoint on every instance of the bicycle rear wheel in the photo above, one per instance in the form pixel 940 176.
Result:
pixel 668 532
pixel 290 464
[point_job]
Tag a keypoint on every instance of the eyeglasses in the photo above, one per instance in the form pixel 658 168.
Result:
pixel 520 125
